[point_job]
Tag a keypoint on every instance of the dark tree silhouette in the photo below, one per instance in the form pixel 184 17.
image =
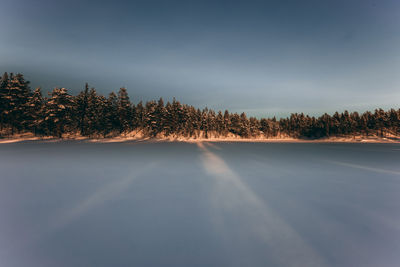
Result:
pixel 58 112
pixel 90 114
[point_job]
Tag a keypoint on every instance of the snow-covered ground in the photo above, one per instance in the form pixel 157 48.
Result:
pixel 147 203
pixel 139 137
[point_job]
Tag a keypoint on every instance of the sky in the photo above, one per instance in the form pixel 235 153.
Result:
pixel 265 58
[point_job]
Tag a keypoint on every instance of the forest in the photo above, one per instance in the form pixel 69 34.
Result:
pixel 93 115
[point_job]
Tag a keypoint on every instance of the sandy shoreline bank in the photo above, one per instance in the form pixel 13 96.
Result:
pixel 193 140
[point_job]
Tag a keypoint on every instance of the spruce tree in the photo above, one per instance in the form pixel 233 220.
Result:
pixel 81 106
pixel 58 115
pixel 140 116
pixel 93 112
pixel 111 123
pixel 4 106
pixel 34 120
pixel 16 99
pixel 124 110
pixel 244 130
pixel 150 118
pixel 160 116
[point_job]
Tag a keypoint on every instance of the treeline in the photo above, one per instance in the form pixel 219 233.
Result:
pixel 90 114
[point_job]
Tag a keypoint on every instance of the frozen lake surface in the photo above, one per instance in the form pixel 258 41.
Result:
pixel 215 204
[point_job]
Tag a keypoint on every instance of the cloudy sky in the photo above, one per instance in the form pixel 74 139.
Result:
pixel 262 57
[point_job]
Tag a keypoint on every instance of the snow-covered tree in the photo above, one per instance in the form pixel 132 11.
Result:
pixel 3 100
pixel 110 114
pixel 92 114
pixel 81 101
pixel 124 110
pixel 17 92
pixel 58 114
pixel 35 108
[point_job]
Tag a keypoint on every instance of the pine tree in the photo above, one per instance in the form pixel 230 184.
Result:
pixel 254 126
pixel 168 119
pixel 110 111
pixel 16 99
pixel 160 115
pixel 4 106
pixel 34 120
pixel 220 123
pixel 58 115
pixel 204 122
pixel 394 119
pixel 101 123
pixel 124 110
pixel 380 119
pixel 227 122
pixel 150 118
pixel 81 106
pixel 235 124
pixel 93 112
pixel 211 120
pixel 244 126
pixel 177 117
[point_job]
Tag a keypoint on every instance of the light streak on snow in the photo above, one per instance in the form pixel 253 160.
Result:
pixel 233 196
pixel 100 196
pixel 366 168
pixel 59 221
pixel 212 145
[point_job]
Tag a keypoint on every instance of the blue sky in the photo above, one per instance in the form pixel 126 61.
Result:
pixel 262 57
